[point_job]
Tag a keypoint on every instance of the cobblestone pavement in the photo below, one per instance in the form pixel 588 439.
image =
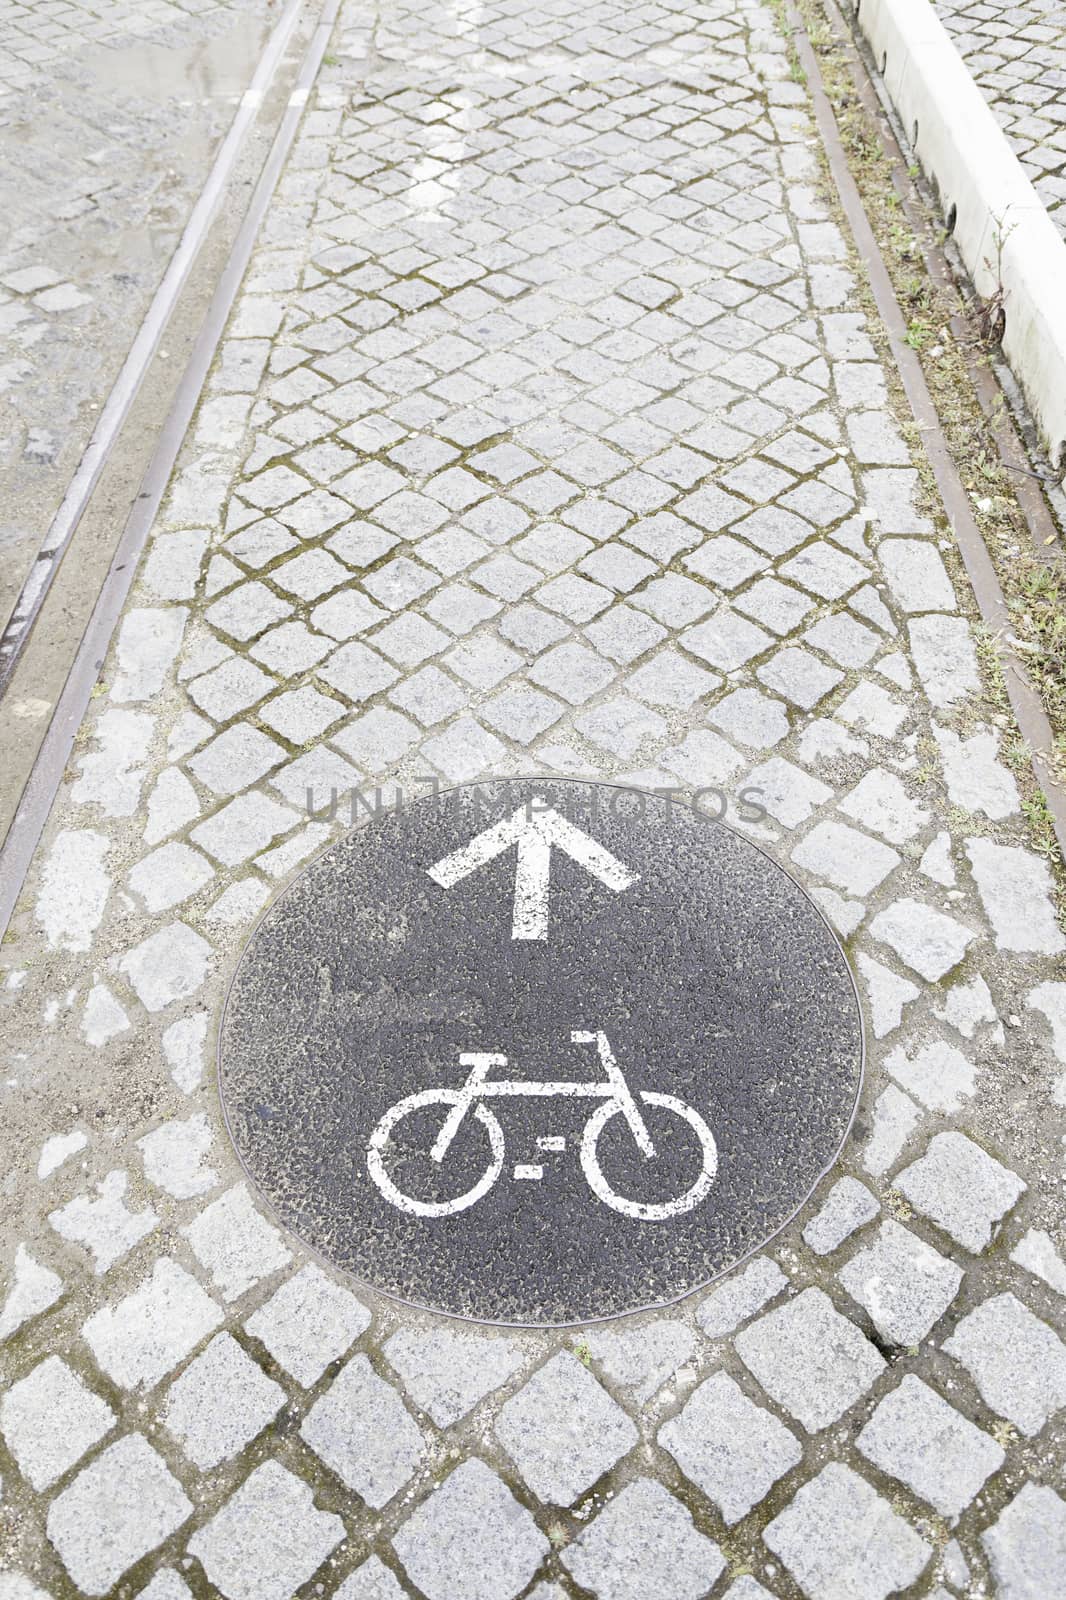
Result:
pixel 1017 57
pixel 548 435
pixel 110 111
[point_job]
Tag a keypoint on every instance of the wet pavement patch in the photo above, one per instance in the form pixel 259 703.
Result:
pixel 540 1051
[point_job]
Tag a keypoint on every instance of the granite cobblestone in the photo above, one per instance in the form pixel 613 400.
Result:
pixel 558 438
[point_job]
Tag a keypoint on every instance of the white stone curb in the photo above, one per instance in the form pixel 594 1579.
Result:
pixel 963 150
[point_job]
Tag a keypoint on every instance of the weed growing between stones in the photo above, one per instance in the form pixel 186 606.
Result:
pixel 948 326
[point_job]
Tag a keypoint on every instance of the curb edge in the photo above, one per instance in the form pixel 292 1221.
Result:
pixel 1003 232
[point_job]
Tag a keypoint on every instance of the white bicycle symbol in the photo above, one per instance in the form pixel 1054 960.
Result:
pixel 616 1100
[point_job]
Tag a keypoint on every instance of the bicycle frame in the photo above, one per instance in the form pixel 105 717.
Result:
pixel 479 1086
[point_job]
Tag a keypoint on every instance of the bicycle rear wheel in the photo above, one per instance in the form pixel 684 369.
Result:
pixel 382 1137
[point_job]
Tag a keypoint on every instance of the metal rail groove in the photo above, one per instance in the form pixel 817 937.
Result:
pixel 1025 702
pixel 29 820
pixel 141 354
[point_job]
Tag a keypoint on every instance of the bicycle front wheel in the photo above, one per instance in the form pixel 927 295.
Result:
pixel 643 1210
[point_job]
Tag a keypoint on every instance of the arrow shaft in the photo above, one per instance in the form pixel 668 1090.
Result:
pixel 532 886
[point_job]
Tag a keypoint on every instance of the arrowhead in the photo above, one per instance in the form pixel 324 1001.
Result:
pixel 533 832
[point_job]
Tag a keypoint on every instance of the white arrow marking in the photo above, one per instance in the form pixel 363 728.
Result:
pixel 534 832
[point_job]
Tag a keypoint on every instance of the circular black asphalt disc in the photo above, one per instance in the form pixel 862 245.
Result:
pixel 540 1052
